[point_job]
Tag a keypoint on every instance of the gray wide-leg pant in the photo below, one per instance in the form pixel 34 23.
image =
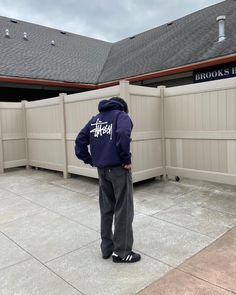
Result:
pixel 116 199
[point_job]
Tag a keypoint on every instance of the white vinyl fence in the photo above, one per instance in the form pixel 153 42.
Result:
pixel 181 131
pixel 200 130
pixel 13 150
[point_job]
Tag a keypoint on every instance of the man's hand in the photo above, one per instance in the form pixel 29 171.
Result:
pixel 128 166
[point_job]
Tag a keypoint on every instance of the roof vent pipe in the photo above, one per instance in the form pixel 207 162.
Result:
pixel 221 23
pixel 7 35
pixel 25 36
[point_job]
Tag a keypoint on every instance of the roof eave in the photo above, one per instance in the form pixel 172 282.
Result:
pixel 176 70
pixel 143 77
pixel 18 80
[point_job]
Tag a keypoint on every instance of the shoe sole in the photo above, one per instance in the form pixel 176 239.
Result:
pixel 124 261
pixel 106 257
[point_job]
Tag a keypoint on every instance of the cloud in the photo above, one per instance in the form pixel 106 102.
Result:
pixel 102 19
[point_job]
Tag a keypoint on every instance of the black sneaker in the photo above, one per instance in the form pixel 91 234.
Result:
pixel 129 258
pixel 106 256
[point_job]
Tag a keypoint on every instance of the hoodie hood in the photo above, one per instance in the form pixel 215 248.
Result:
pixel 108 105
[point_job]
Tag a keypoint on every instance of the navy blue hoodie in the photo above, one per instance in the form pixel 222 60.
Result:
pixel 108 134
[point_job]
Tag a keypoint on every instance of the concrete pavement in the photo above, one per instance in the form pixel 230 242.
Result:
pixel 49 235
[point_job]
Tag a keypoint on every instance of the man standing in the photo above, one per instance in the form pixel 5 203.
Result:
pixel 108 135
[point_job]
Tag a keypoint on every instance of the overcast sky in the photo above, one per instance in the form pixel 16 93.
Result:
pixel 109 20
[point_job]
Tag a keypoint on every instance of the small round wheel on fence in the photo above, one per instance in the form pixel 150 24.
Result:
pixel 177 178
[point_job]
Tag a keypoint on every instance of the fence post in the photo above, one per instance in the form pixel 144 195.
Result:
pixel 23 104
pixel 1 146
pixel 124 91
pixel 163 141
pixel 63 134
pixel 125 94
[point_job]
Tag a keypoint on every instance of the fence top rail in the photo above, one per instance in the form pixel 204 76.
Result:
pixel 10 105
pixel 42 102
pixel 144 91
pixel 93 94
pixel 217 85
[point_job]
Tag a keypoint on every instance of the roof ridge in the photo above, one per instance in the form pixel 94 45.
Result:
pixel 103 67
pixel 177 19
pixel 52 28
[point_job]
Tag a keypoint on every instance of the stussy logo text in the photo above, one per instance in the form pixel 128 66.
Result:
pixel 101 128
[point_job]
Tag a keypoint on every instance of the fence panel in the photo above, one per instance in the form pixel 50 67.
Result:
pixel 145 111
pixel 200 130
pixel 12 136
pixel 44 134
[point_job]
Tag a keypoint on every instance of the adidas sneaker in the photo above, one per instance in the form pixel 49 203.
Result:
pixel 129 258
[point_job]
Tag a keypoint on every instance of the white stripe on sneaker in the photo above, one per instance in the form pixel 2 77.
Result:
pixel 127 258
pixel 114 254
pixel 130 257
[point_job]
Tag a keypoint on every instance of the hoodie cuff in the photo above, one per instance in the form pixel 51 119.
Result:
pixel 89 161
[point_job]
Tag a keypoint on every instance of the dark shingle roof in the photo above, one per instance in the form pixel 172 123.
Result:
pixel 76 58
pixel 190 39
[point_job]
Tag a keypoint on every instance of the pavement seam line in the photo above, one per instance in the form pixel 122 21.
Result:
pixel 55 212
pixel 174 269
pixel 178 267
pixel 201 279
pixel 19 218
pixel 70 190
pixel 220 211
pixel 196 232
pixel 90 243
pixel 162 211
pixel 51 270
pixel 177 197
pixel 19 262
pixel 204 248
pixel 152 257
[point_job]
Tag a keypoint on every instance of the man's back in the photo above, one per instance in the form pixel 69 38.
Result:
pixel 108 134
